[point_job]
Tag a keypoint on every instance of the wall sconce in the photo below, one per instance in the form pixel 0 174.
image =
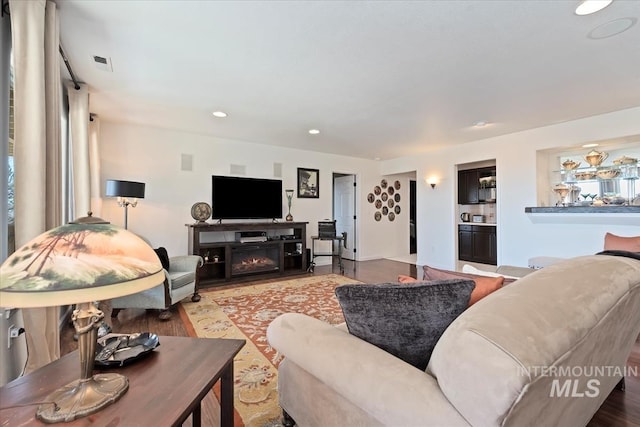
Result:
pixel 432 182
pixel 127 192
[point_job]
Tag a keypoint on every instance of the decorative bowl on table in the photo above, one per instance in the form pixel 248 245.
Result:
pixel 608 173
pixel 122 349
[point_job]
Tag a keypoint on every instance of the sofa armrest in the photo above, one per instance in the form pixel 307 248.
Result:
pixel 185 263
pixel 384 386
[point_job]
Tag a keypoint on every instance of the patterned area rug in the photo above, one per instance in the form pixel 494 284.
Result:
pixel 245 312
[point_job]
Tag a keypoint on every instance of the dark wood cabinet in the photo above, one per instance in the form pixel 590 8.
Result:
pixel 477 243
pixel 468 187
pixel 246 251
pixel 476 186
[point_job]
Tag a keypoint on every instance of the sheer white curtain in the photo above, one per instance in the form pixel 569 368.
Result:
pixel 94 165
pixel 79 135
pixel 35 39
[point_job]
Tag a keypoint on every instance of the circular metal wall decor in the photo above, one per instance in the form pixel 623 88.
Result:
pixel 386 199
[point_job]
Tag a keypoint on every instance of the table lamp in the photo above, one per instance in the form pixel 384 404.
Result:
pixel 84 261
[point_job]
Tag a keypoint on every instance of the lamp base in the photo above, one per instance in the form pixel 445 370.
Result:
pixel 82 397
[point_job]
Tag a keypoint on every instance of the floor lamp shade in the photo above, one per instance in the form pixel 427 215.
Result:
pixel 127 192
pixel 117 188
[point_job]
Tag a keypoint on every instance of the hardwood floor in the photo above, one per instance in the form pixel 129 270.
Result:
pixel 619 409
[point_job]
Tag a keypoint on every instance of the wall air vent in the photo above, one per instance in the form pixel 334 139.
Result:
pixel 102 63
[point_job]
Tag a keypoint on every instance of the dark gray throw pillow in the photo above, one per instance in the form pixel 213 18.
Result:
pixel 404 320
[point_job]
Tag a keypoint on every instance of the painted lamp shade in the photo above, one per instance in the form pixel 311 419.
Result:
pixel 78 262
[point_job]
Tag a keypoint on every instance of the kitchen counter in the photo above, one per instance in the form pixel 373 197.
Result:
pixel 584 209
pixel 617 215
pixel 490 224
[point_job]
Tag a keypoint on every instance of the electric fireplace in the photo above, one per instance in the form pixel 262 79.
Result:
pixel 254 259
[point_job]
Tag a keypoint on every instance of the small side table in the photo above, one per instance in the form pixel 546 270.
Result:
pixel 165 387
pixel 341 239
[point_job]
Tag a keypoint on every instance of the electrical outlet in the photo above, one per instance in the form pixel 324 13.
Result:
pixel 13 332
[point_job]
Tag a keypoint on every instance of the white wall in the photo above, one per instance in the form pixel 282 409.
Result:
pixel 153 156
pixel 518 237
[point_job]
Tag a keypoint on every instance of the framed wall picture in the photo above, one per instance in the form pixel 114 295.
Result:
pixel 308 183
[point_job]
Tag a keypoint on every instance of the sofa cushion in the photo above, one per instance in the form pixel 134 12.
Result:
pixel 164 257
pixel 431 273
pixel 469 269
pixel 405 320
pixel 483 286
pixel 621 243
pixel 581 312
pixel 406 279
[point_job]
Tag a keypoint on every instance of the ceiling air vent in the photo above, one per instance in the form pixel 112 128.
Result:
pixel 102 63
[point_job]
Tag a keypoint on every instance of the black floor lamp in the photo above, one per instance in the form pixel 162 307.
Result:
pixel 127 192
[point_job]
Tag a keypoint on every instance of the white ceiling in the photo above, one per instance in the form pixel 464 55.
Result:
pixel 380 79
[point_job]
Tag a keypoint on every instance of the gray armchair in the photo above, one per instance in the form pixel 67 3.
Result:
pixel 180 281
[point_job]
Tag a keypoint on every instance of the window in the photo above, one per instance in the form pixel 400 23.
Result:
pixel 7 243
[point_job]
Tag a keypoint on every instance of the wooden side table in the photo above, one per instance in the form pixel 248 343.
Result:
pixel 165 387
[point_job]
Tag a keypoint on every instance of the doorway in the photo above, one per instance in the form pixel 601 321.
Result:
pixel 413 218
pixel 344 211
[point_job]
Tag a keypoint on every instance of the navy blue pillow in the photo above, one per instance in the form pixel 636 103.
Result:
pixel 164 257
pixel 405 320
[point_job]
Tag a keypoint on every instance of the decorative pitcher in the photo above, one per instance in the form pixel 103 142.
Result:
pixel 595 158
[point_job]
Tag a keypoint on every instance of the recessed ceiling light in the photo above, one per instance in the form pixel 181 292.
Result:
pixel 589 145
pixel 219 114
pixel 612 28
pixel 480 123
pixel 587 7
pixel 376 158
pixel 314 131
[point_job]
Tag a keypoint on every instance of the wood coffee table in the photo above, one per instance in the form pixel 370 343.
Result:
pixel 165 387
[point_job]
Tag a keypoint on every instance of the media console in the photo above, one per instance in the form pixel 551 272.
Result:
pixel 248 250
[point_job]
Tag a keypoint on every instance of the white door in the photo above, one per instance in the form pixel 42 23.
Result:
pixel 344 211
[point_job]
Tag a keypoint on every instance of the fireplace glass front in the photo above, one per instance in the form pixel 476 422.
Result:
pixel 254 259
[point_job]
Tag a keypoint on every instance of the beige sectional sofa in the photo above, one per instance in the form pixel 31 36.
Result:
pixel 497 364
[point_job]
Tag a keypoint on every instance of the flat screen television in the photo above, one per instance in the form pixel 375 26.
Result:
pixel 245 198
